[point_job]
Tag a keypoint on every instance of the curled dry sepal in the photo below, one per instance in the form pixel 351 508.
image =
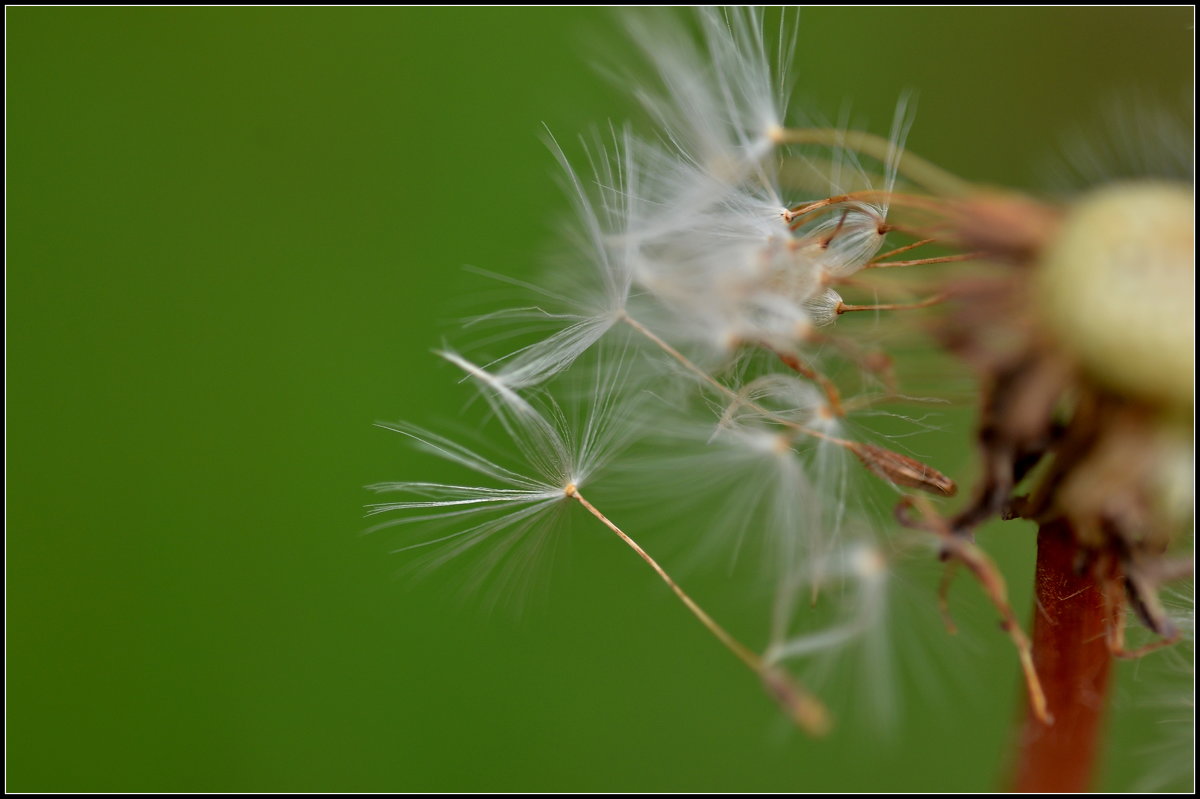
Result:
pixel 701 311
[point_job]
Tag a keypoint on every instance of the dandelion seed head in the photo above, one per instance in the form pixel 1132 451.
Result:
pixel 693 259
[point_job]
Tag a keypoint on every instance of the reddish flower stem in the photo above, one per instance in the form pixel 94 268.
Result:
pixel 1072 659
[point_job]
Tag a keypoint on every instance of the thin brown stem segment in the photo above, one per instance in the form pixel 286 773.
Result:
pixel 1116 599
pixel 805 709
pixel 913 167
pixel 891 466
pixel 905 248
pixel 803 368
pixel 937 259
pixel 895 306
pixel 1071 656
pixel 944 597
pixel 740 650
pixel 794 216
pixel 958 548
pixel 721 388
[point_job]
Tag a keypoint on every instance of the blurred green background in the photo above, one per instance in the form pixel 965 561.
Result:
pixel 234 235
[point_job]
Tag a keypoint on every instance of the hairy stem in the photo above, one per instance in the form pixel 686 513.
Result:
pixel 1071 656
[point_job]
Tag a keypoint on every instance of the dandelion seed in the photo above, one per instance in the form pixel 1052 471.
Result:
pixel 853 231
pixel 606 208
pixel 561 463
pixel 520 506
pixel 721 100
